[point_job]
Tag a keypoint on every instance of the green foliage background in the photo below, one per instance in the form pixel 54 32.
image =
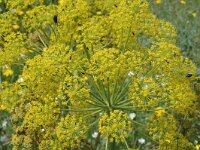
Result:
pixel 187 25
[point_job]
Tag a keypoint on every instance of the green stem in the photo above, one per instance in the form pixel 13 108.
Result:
pixel 53 30
pixel 126 108
pixel 96 104
pixel 106 145
pixel 99 91
pixel 92 113
pixel 120 41
pixel 108 93
pixel 102 90
pixel 124 102
pixel 36 47
pixel 150 138
pixel 44 32
pixel 0 76
pixel 97 98
pixel 129 31
pixel 126 143
pixel 138 123
pixel 80 110
pixel 113 93
pixel 123 92
pixel 42 40
pixel 113 145
pixel 87 53
pixel 93 123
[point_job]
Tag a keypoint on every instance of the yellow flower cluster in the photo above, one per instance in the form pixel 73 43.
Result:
pixel 197 147
pixel 71 131
pixel 115 126
pixel 76 92
pixel 162 126
pixel 2 107
pixel 91 57
pixel 39 122
pixel 160 112
pixel 8 72
pixel 19 24
pixel 146 92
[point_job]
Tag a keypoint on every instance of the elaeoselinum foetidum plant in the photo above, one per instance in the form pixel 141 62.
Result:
pixel 98 74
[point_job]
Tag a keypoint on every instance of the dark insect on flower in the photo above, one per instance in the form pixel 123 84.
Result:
pixel 175 55
pixel 55 19
pixel 166 61
pixel 189 75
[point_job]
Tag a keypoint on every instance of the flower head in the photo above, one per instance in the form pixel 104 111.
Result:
pixel 2 107
pixel 20 80
pixel 159 111
pixel 20 12
pixel 16 27
pixel 157 1
pixel 141 140
pixel 130 73
pixel 194 14
pixel 115 126
pixel 132 116
pixel 70 131
pixel 8 72
pixel 95 134
pixel 182 2
pixel 197 147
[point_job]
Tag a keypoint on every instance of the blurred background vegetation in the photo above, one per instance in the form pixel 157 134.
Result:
pixel 183 14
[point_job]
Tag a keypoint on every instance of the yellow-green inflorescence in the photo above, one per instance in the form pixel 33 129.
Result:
pixel 94 63
pixel 71 130
pixel 115 126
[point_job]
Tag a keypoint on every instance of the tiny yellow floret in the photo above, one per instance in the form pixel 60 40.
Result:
pixel 7 72
pixel 183 2
pixel 20 12
pixel 16 27
pixel 2 107
pixel 159 111
pixel 197 147
pixel 194 14
pixel 157 1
